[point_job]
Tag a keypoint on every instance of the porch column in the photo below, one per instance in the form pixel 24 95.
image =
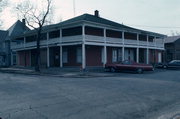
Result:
pixel 147 56
pixel 137 55
pixel 61 57
pixel 83 56
pixel 11 58
pixel 123 46
pixel 105 56
pixel 123 53
pixel 48 64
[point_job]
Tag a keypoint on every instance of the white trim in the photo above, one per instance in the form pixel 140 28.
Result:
pixel 61 56
pixel 48 59
pixel 137 55
pixel 83 56
pixel 123 53
pixel 147 56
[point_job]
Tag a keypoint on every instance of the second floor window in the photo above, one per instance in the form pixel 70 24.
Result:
pixel 72 31
pixel 54 34
pixel 94 31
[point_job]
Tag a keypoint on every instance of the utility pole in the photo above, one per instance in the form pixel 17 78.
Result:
pixel 74 8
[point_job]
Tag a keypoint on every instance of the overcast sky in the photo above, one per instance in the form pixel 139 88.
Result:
pixel 162 16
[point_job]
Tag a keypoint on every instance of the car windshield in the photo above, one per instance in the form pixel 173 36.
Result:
pixel 173 61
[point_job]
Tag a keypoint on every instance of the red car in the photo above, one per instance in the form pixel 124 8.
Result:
pixel 129 66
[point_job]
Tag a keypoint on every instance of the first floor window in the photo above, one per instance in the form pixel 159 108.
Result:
pixel 65 56
pixel 79 55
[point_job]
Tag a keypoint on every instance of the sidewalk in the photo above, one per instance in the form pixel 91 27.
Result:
pixel 58 72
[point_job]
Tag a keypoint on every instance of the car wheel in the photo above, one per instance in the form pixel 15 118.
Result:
pixel 165 67
pixel 139 70
pixel 113 69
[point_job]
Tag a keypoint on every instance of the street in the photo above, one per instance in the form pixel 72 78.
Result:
pixel 152 95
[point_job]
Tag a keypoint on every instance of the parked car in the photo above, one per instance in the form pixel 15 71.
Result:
pixel 174 64
pixel 128 66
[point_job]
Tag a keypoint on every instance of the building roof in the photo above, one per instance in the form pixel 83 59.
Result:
pixel 17 29
pixel 95 19
pixel 3 35
pixel 171 39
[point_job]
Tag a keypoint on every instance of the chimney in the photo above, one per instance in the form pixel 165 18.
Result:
pixel 24 23
pixel 96 13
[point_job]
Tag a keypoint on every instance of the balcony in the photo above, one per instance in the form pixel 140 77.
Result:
pixel 91 38
pixel 114 40
pixel 72 39
pixel 130 42
pixel 53 41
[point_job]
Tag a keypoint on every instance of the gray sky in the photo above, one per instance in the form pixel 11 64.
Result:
pixel 162 16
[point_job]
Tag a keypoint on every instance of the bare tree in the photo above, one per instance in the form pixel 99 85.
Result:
pixel 3 4
pixel 36 16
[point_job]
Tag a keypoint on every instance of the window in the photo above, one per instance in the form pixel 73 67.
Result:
pixel 128 35
pixel 119 55
pixel 72 31
pixel 151 38
pixel 94 31
pixel 31 38
pixel 142 37
pixel 113 34
pixel 114 55
pixel 54 34
pixel 79 55
pixel 65 55
pixel 43 36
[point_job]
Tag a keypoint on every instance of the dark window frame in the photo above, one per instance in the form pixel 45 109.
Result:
pixel 113 33
pixel 73 31
pixel 89 30
pixel 130 36
pixel 54 34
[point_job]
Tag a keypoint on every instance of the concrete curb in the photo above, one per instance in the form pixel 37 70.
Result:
pixel 67 75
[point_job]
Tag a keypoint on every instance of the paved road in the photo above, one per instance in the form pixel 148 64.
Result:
pixel 127 96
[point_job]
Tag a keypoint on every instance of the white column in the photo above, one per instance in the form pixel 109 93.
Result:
pixel 24 42
pixel 83 48
pixel 83 56
pixel 138 39
pixel 61 57
pixel 147 38
pixel 137 50
pixel 147 56
pixel 137 55
pixel 48 64
pixel 122 53
pixel 105 56
pixel 60 40
pixel 11 58
pixel 123 46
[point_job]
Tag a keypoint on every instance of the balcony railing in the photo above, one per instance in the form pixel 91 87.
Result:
pixel 53 41
pixel 91 38
pixel 30 44
pixel 143 43
pixel 130 42
pixel 72 39
pixel 114 40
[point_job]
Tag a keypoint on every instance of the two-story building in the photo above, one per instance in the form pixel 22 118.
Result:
pixel 6 36
pixel 88 41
